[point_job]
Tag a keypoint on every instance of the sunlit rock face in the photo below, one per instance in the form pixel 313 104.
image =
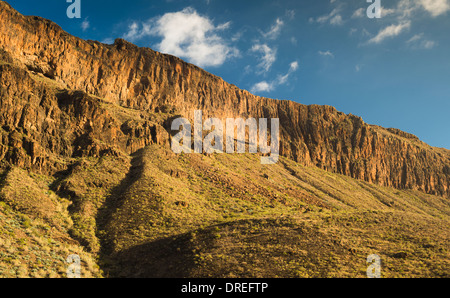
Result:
pixel 56 94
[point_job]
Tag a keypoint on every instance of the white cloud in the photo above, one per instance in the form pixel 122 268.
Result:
pixel 390 31
pixel 405 13
pixel 85 24
pixel 274 30
pixel 133 32
pixel 224 26
pixel 325 18
pixel 415 38
pixel 359 13
pixel 402 16
pixel 435 7
pixel 290 14
pixel 326 54
pixel 419 42
pixel 186 34
pixel 137 31
pixel 265 86
pixel 428 44
pixel 334 18
pixel 268 56
pixel 262 87
pixel 405 8
pixel 282 79
pixel 108 40
pixel 362 12
pixel 294 66
pixel 387 11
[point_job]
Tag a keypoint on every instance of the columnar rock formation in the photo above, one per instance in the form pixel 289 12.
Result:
pixel 42 125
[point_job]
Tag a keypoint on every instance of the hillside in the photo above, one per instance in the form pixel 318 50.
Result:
pixel 86 168
pixel 154 214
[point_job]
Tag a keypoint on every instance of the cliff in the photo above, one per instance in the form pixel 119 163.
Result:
pixel 63 97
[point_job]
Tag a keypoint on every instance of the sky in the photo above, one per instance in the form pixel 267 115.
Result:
pixel 393 71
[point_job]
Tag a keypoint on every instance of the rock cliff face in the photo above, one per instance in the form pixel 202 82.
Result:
pixel 62 97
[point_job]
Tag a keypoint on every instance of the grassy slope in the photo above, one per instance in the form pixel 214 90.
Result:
pixel 232 216
pixel 164 215
pixel 228 215
pixel 157 214
pixel 35 226
pixel 161 214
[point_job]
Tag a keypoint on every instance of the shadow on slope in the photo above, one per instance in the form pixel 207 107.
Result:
pixel 245 248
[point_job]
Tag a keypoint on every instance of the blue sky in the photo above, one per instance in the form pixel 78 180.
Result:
pixel 393 71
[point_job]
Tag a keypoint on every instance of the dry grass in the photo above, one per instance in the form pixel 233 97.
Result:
pixel 230 216
pixel 164 215
pixel 34 225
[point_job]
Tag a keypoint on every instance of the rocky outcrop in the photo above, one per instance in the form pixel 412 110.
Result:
pixel 143 80
pixel 42 128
